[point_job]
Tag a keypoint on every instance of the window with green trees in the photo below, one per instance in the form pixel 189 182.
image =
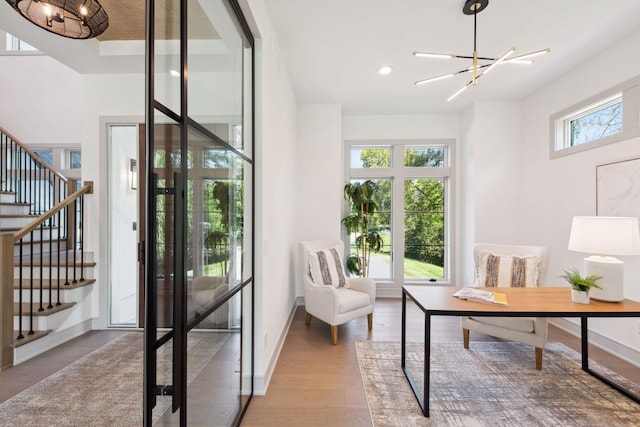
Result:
pixel 412 197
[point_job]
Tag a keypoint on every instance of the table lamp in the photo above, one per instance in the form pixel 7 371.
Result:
pixel 606 236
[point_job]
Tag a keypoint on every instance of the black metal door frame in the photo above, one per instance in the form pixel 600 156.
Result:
pixel 178 333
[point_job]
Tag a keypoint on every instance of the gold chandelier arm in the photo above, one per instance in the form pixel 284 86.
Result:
pixel 435 55
pixel 459 91
pixel 499 60
pixel 525 57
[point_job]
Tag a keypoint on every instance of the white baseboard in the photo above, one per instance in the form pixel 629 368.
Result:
pixel 261 382
pixel 607 344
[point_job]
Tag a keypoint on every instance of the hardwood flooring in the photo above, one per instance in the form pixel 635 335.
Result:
pixel 314 383
pixel 318 384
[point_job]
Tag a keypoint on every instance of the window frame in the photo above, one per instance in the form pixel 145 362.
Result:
pixel 629 93
pixel 398 173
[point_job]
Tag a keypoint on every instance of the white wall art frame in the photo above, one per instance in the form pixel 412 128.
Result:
pixel 618 188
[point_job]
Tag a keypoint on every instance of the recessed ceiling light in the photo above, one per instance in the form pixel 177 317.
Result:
pixel 174 73
pixel 384 70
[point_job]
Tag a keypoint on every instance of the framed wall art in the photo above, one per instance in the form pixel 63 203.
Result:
pixel 618 188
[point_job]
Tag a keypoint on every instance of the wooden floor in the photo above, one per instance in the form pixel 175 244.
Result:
pixel 318 384
pixel 314 383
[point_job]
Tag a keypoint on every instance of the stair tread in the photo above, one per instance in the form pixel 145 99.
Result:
pixel 14 204
pixel 28 338
pixel 47 311
pixel 71 285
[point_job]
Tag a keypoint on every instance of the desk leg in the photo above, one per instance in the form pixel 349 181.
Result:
pixel 403 341
pixel 584 336
pixel 423 402
pixel 585 363
pixel 427 362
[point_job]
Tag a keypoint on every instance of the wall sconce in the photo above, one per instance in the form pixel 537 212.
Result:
pixel 76 19
pixel 133 174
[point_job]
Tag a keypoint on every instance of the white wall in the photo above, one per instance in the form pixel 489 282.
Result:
pixel 489 172
pixel 553 191
pixel 319 172
pixel 42 100
pixel 276 198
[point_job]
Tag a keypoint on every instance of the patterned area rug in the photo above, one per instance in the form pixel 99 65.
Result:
pixel 104 388
pixel 492 384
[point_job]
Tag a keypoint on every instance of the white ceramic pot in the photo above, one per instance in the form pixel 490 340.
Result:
pixel 581 297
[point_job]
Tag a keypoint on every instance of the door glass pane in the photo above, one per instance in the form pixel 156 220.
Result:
pixel 215 369
pixel 167 54
pixel 379 223
pixel 166 162
pixel 424 216
pixel 216 70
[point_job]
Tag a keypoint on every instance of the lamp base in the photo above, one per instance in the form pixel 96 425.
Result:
pixel 611 271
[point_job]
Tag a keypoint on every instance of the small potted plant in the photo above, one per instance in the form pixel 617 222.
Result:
pixel 580 286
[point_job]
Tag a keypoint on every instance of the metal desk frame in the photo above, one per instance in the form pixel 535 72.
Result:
pixel 561 307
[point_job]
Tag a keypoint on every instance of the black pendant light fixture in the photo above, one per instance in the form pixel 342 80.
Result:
pixel 76 19
pixel 480 65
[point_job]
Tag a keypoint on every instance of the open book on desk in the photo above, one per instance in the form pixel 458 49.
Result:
pixel 482 295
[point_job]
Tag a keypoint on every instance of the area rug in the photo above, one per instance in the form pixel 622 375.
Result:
pixel 103 388
pixel 492 384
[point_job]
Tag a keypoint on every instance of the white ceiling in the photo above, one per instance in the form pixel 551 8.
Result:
pixel 333 48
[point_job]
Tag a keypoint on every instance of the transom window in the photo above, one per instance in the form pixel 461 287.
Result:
pixel 413 182
pixel 608 117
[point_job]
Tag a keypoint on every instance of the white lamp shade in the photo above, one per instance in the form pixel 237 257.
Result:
pixel 605 235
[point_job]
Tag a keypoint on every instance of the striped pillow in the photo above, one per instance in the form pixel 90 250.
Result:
pixel 507 271
pixel 325 267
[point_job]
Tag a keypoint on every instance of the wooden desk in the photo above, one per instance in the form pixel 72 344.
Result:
pixel 523 302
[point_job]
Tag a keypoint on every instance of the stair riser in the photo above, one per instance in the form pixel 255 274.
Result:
pixel 7 197
pixel 45 234
pixel 41 247
pixel 27 273
pixel 66 295
pixel 61 319
pixel 14 209
pixel 16 222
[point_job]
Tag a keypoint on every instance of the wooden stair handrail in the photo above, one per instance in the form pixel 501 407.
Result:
pixel 34 155
pixel 86 189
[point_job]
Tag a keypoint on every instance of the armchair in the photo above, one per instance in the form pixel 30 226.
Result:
pixel 342 300
pixel 493 268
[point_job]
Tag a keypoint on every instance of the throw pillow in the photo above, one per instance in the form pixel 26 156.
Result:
pixel 507 271
pixel 325 267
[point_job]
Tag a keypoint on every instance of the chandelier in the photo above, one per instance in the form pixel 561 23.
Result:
pixel 480 65
pixel 76 19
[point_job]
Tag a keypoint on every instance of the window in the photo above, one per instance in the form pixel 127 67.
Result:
pixel 413 182
pixel 14 44
pixel 74 159
pixel 605 118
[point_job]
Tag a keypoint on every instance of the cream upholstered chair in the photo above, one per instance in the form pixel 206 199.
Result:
pixel 493 265
pixel 328 294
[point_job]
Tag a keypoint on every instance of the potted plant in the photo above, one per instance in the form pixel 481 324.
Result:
pixel 580 286
pixel 360 196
